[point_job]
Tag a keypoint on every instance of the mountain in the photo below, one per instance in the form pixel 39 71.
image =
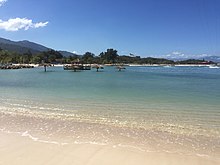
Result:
pixel 212 58
pixel 21 46
pixel 25 46
pixel 201 57
pixel 67 54
pixel 32 45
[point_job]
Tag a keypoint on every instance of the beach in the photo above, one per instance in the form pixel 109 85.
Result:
pixel 136 84
pixel 42 138
pixel 15 149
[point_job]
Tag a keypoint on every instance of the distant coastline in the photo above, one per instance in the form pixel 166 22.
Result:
pixel 16 66
pixel 130 65
pixel 26 52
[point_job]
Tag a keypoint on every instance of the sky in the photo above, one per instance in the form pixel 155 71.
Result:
pixel 157 28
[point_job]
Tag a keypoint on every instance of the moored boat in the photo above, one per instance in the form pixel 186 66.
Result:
pixel 213 66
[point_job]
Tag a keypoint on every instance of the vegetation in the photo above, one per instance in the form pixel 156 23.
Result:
pixel 109 57
pixel 193 61
pixel 50 56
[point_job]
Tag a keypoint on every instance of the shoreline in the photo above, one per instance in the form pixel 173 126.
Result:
pixel 16 149
pixel 39 131
pixel 129 65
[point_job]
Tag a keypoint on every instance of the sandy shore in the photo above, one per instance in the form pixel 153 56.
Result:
pixel 15 149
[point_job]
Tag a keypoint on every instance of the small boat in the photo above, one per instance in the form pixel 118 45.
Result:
pixel 168 66
pixel 213 66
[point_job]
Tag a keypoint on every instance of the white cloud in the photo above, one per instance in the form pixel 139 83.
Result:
pixel 168 55
pixel 179 55
pixel 176 53
pixel 74 52
pixel 40 24
pixel 16 24
pixel 2 2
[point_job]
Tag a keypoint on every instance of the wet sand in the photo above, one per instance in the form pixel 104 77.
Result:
pixel 15 149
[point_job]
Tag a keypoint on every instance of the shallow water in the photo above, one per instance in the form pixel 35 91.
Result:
pixel 175 109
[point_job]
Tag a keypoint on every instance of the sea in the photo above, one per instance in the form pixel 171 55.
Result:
pixel 150 109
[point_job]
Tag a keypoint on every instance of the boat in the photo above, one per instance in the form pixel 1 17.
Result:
pixel 168 65
pixel 214 66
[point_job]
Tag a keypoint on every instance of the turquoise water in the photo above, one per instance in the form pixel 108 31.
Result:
pixel 145 107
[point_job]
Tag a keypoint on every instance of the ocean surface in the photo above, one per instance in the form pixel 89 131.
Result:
pixel 152 109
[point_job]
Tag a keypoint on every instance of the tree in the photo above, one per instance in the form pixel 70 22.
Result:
pixel 5 57
pixel 88 58
pixel 36 59
pixel 27 57
pixel 110 56
pixel 50 56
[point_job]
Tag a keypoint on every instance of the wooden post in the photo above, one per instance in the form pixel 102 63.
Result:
pixel 45 67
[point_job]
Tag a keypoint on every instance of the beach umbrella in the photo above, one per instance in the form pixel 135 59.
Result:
pixel 97 67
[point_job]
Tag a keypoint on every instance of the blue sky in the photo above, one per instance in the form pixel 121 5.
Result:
pixel 141 27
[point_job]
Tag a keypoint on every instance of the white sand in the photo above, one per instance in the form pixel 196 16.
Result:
pixel 17 150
